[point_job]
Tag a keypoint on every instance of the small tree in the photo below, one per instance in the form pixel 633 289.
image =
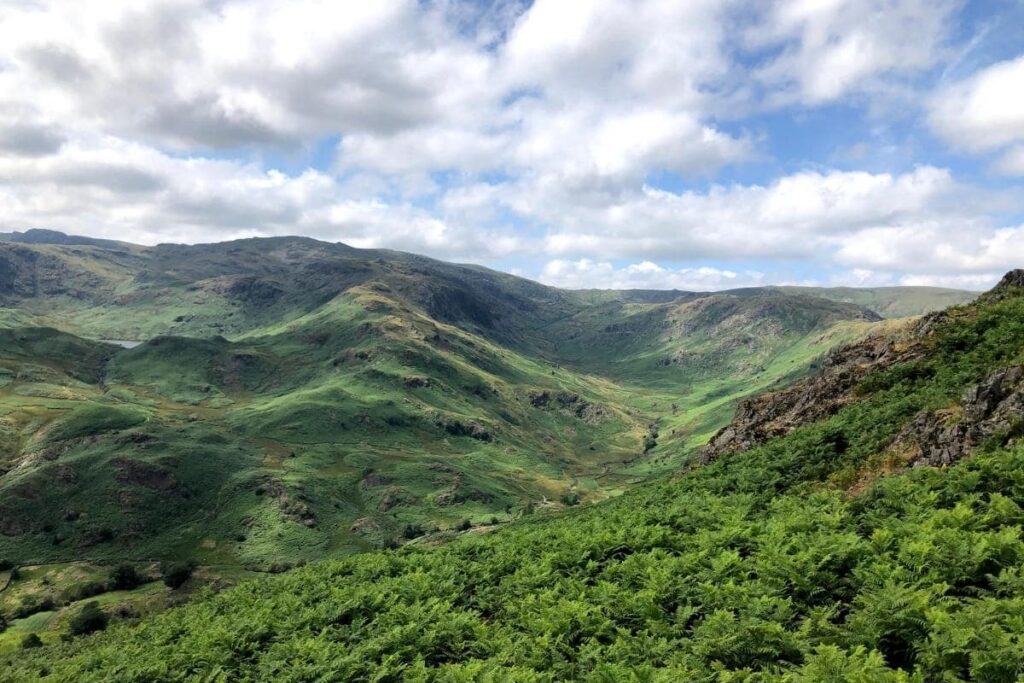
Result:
pixel 124 578
pixel 31 641
pixel 570 498
pixel 176 574
pixel 88 620
pixel 411 531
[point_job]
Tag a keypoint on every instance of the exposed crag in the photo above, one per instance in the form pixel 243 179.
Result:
pixel 772 414
pixel 993 407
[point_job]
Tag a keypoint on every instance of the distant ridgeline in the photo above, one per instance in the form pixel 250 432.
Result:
pixel 862 524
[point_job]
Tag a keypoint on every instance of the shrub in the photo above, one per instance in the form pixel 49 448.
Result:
pixel 176 574
pixel 570 498
pixel 124 578
pixel 33 605
pixel 31 641
pixel 85 590
pixel 411 531
pixel 463 525
pixel 89 619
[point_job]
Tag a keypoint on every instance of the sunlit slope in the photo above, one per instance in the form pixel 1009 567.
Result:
pixel 333 432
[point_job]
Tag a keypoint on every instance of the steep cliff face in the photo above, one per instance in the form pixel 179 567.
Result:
pixel 994 408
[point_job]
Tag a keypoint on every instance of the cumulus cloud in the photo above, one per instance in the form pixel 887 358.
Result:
pixel 191 73
pixel 588 274
pixel 871 229
pixel 796 216
pixel 1012 161
pixel 985 113
pixel 829 49
pixel 535 130
pixel 129 191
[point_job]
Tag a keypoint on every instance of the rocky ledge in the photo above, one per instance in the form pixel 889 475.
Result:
pixel 816 397
pixel 993 407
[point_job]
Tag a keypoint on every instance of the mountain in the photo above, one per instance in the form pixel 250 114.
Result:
pixel 875 535
pixel 285 400
pixel 289 393
pixel 42 236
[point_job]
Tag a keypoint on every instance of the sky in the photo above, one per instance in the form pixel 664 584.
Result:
pixel 696 145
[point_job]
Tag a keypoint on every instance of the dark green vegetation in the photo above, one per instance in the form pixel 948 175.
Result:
pixel 814 557
pixel 295 400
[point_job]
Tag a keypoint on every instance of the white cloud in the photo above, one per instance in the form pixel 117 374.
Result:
pixel 190 73
pixel 830 48
pixel 931 247
pixel 110 188
pixel 867 229
pixel 516 129
pixel 1012 161
pixel 588 274
pixel 796 216
pixel 985 112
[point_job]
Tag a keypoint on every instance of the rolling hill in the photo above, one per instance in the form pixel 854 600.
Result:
pixel 874 537
pixel 286 400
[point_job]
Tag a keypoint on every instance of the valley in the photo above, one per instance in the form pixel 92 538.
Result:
pixel 511 341
pixel 860 524
pixel 281 401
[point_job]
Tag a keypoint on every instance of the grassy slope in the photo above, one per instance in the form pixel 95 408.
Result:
pixel 357 411
pixel 349 393
pixel 759 566
pixel 339 412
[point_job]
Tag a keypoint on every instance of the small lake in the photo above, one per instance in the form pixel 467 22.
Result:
pixel 123 343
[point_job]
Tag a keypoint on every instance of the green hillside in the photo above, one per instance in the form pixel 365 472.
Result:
pixel 291 400
pixel 818 556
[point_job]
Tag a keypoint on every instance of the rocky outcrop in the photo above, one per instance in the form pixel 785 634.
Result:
pixel 457 427
pixel 816 397
pixel 1014 280
pixel 992 409
pixel 393 497
pixel 147 475
pixel 293 507
pixel 568 403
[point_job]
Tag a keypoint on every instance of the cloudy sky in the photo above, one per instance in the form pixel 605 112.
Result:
pixel 702 144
